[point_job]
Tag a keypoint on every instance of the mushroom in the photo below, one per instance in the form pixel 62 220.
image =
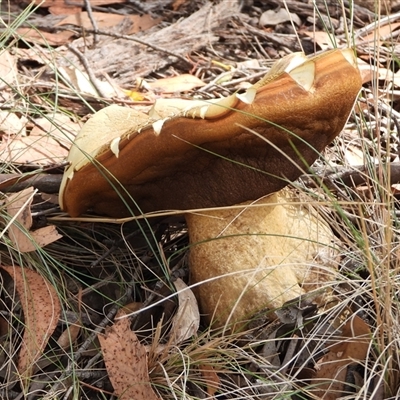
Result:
pixel 204 154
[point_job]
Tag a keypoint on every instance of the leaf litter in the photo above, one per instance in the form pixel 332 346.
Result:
pixel 98 268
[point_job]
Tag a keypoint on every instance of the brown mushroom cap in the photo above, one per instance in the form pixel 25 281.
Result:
pixel 212 154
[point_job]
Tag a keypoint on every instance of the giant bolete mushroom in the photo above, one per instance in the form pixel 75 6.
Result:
pixel 200 154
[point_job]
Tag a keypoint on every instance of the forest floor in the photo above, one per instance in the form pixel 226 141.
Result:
pixel 95 307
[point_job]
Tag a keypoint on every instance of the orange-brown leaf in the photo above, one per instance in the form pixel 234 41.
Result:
pixel 47 38
pixel 109 20
pixel 352 346
pixel 211 378
pixel 41 307
pixel 126 362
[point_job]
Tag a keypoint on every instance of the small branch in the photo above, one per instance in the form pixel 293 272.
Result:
pixel 92 337
pixel 134 39
pixel 358 175
pixel 89 71
pixel 47 183
pixel 93 22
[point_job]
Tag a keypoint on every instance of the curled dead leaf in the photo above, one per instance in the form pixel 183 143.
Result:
pixel 25 240
pixel 187 319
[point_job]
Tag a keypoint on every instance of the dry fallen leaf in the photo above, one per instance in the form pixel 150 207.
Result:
pixel 58 125
pixel 64 7
pixel 352 346
pixel 180 83
pixel 107 20
pixel 369 72
pixel 10 124
pixel 18 206
pixel 69 335
pixel 187 319
pixel 323 39
pixel 177 4
pixel 40 150
pixel 8 68
pixel 272 17
pixel 48 142
pixel 126 362
pixel 354 155
pixel 41 307
pixel 81 82
pixel 379 32
pixel 211 378
pixel 46 38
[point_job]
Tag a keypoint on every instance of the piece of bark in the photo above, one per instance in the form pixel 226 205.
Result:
pixel 125 60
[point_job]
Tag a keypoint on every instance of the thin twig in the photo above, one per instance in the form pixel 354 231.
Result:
pixel 89 341
pixel 89 71
pixel 144 43
pixel 113 248
pixel 93 22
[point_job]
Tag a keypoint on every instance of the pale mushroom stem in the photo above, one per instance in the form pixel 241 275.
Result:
pixel 261 256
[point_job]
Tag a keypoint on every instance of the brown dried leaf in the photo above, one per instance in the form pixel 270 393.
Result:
pixel 107 20
pixel 369 71
pixel 323 39
pixel 177 4
pixel 187 319
pixel 80 81
pixel 18 206
pixel 47 38
pixel 41 307
pixel 41 150
pixel 66 3
pixel 10 124
pixel 44 236
pixel 126 362
pixel 57 125
pixel 352 346
pixel 354 155
pixel 272 17
pixel 380 32
pixel 32 54
pixel 211 378
pixel 69 335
